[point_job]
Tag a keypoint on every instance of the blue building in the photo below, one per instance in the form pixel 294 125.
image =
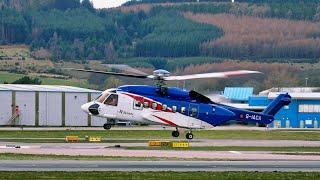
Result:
pixel 238 94
pixel 303 112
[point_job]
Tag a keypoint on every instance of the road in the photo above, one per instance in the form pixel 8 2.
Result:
pixel 67 165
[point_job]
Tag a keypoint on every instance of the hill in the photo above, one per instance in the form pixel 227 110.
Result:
pixel 70 30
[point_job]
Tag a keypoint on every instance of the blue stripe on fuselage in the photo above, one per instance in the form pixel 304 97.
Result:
pixel 210 113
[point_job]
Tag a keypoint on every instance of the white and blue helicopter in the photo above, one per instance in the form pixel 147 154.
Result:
pixel 172 106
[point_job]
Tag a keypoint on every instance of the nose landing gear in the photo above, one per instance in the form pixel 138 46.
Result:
pixel 109 124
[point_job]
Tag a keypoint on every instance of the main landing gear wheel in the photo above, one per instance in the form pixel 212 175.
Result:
pixel 107 126
pixel 189 136
pixel 175 133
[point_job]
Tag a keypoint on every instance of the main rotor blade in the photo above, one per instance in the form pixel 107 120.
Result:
pixel 211 75
pixel 124 67
pixel 110 73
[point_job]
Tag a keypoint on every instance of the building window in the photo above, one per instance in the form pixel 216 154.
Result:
pixel 174 109
pixel 309 108
pixel 317 108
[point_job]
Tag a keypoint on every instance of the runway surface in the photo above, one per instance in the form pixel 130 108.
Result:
pixel 66 165
pixel 195 142
pixel 120 152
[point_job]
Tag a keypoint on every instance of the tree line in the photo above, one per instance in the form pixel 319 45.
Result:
pixel 74 30
pixel 169 34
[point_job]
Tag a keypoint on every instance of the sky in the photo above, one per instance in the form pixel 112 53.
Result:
pixel 107 3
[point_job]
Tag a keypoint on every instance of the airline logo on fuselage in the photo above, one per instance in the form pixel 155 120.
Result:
pixel 125 112
pixel 253 117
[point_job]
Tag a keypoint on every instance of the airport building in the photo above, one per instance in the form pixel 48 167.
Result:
pixel 51 105
pixel 45 105
pixel 303 112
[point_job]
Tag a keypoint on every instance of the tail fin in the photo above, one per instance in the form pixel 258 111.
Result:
pixel 277 104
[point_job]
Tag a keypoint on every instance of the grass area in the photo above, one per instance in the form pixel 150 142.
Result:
pixel 233 148
pixel 161 175
pixel 10 77
pixel 62 140
pixel 166 134
pixel 14 51
pixel 17 156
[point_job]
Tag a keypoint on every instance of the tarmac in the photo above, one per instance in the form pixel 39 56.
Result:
pixel 143 143
pixel 142 166
pixel 190 160
pixel 79 149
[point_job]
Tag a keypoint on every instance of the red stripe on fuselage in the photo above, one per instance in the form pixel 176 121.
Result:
pixel 150 101
pixel 165 120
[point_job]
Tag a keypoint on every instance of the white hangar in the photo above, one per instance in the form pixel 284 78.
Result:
pixel 45 105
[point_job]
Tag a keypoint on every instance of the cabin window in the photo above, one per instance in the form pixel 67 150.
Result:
pixel 146 104
pixel 164 107
pixel 174 109
pixel 137 105
pixel 183 110
pixel 154 105
pixel 194 112
pixel 112 100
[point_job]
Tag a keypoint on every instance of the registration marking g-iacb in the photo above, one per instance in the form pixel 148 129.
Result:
pixel 253 117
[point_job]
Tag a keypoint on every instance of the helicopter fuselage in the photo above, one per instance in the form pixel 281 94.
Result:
pixel 172 107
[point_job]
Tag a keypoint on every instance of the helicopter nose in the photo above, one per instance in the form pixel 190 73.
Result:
pixel 94 109
pixel 85 107
pixel 91 108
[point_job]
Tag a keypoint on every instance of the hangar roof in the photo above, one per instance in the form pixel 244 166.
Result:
pixel 306 96
pixel 308 93
pixel 44 88
pixel 238 93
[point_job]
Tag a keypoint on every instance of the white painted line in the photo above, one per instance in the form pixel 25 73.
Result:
pixel 235 152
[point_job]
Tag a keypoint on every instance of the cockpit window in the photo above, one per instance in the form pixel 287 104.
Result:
pixel 112 100
pixel 102 97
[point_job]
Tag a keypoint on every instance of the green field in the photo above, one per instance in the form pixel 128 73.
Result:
pixel 11 77
pixel 16 156
pixel 166 134
pixel 161 175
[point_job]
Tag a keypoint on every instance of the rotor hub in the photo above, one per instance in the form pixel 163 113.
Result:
pixel 161 73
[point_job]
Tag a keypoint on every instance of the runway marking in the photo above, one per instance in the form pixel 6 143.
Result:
pixel 235 152
pixel 14 147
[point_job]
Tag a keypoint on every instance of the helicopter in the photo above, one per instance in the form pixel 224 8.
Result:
pixel 159 104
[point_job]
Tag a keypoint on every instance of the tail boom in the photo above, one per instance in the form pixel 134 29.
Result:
pixel 277 104
pixel 267 116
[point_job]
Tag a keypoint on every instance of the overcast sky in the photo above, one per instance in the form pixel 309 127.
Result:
pixel 107 3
